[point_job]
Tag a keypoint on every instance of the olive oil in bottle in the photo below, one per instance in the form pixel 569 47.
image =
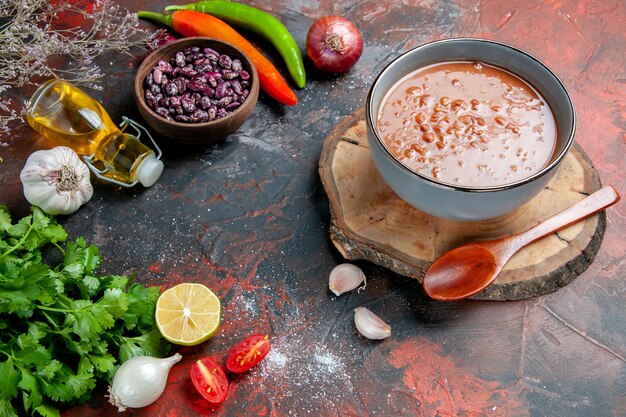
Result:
pixel 69 117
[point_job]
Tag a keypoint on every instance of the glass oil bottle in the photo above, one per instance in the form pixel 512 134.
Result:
pixel 69 117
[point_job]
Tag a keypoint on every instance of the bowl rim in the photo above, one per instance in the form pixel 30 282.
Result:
pixel 138 85
pixel 371 122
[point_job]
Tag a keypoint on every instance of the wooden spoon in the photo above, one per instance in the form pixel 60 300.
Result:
pixel 471 268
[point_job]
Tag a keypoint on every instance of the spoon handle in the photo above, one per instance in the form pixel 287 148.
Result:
pixel 590 205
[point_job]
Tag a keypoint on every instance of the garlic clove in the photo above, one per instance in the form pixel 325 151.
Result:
pixel 346 277
pixel 370 325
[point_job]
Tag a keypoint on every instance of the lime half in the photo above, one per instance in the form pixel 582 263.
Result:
pixel 188 314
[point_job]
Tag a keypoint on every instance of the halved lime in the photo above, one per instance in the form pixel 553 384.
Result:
pixel 188 314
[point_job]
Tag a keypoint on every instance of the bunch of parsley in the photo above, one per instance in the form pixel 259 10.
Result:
pixel 62 327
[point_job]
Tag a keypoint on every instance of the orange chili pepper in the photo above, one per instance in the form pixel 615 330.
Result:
pixel 191 23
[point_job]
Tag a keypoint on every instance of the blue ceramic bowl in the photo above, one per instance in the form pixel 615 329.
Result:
pixel 463 202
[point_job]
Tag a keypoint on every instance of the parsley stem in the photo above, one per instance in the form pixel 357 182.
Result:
pixel 65 303
pixel 58 310
pixel 65 299
pixel 59 247
pixel 50 320
pixel 20 243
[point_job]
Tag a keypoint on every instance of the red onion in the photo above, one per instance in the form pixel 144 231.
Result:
pixel 334 44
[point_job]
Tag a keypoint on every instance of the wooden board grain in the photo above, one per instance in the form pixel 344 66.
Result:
pixel 370 222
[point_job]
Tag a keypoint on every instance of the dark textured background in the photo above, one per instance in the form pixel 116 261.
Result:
pixel 249 218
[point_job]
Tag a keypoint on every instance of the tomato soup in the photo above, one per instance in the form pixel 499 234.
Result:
pixel 468 124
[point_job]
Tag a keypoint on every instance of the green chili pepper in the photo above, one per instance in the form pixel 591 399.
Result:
pixel 257 21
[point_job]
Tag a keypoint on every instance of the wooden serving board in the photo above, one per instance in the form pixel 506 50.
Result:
pixel 370 222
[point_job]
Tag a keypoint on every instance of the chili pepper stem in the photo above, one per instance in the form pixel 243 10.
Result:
pixel 164 19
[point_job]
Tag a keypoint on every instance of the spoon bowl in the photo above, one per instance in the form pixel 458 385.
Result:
pixel 469 269
pixel 471 264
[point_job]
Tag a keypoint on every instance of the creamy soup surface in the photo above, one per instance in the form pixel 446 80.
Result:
pixel 468 124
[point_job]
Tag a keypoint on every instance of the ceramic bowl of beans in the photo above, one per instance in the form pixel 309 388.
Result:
pixel 196 90
pixel 468 129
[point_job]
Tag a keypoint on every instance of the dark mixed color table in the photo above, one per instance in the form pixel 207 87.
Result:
pixel 249 218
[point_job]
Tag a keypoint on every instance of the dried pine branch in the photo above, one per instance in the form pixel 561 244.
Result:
pixel 37 43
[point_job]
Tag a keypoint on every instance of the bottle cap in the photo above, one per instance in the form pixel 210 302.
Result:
pixel 149 170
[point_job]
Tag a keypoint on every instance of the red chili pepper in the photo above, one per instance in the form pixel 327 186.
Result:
pixel 191 23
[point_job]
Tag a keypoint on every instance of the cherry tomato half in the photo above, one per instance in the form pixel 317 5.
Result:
pixel 209 379
pixel 248 353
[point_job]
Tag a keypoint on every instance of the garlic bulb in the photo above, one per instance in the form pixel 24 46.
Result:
pixel 370 325
pixel 345 277
pixel 56 180
pixel 140 381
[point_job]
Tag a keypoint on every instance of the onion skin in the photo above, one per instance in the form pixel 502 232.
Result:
pixel 140 381
pixel 334 44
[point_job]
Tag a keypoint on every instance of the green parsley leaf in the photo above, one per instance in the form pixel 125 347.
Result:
pixel 31 391
pixel 18 294
pixel 9 380
pixel 33 356
pixel 115 302
pixel 115 281
pixel 140 312
pixel 36 230
pixel 91 283
pixel 5 218
pixel 103 363
pixel 148 344
pixel 6 409
pixel 46 410
pixel 86 257
pixel 20 229
pixel 67 385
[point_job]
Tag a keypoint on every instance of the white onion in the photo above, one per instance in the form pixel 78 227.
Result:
pixel 140 381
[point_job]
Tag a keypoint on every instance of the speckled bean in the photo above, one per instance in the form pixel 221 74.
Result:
pixel 165 67
pixel 236 65
pixel 162 111
pixel 229 74
pixel 179 59
pixel 171 89
pixel 220 90
pixel 233 106
pixel 211 53
pixel 225 61
pixel 188 104
pixel 212 112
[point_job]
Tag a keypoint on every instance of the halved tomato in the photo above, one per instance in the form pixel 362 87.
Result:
pixel 209 379
pixel 248 353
